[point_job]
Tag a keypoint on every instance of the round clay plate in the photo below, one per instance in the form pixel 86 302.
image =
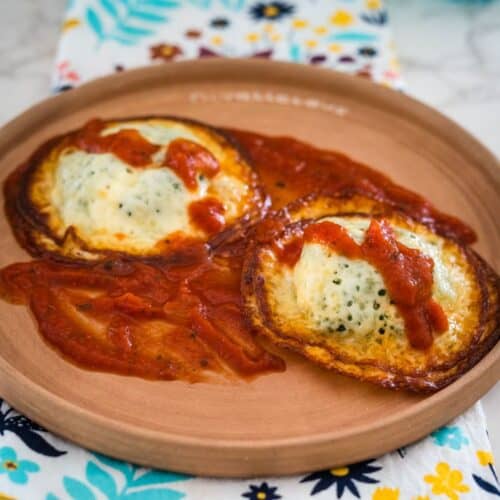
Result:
pixel 305 418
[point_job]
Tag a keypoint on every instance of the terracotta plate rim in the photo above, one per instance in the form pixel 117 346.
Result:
pixel 461 393
pixel 491 362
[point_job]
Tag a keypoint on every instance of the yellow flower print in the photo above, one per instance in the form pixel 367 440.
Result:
pixel 340 471
pixel 373 4
pixel 421 497
pixel 253 37
pixel 484 458
pixel 335 48
pixel 217 40
pixel 386 494
pixel 268 28
pixel 299 23
pixel 447 481
pixel 3 496
pixel 311 44
pixel 70 23
pixel 276 37
pixel 342 18
pixel 320 30
pixel 271 11
pixel 394 64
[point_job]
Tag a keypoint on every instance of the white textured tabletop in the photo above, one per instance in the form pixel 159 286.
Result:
pixel 449 50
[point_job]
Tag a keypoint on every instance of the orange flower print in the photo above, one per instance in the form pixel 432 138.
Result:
pixel 165 51
pixel 192 33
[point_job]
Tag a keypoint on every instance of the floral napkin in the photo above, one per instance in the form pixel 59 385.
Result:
pixel 454 462
pixel 105 36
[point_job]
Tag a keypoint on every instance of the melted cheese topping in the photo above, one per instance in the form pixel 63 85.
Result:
pixel 155 131
pixel 113 205
pixel 332 293
pixel 110 202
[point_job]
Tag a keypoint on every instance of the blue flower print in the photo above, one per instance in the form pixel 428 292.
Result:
pixel 17 470
pixel 450 436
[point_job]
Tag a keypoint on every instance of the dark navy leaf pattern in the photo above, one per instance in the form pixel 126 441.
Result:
pixel 486 485
pixel 38 443
pixel 27 431
pixel 264 491
pixel 344 478
pixel 22 422
pixel 377 18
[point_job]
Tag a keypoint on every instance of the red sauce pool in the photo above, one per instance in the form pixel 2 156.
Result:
pixel 181 317
pixel 175 319
pixel 289 168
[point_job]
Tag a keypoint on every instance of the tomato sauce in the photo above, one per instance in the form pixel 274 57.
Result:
pixel 188 159
pixel 407 272
pixel 208 215
pixel 169 320
pixel 126 144
pixel 180 316
pixel 289 169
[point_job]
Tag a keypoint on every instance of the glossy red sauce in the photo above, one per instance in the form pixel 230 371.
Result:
pixel 126 144
pixel 290 168
pixel 188 159
pixel 181 316
pixel 208 215
pixel 407 272
pixel 177 319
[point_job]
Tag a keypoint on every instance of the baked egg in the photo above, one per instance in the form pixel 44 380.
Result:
pixel 348 308
pixel 139 187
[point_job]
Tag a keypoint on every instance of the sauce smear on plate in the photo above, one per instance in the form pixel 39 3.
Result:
pixel 179 316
